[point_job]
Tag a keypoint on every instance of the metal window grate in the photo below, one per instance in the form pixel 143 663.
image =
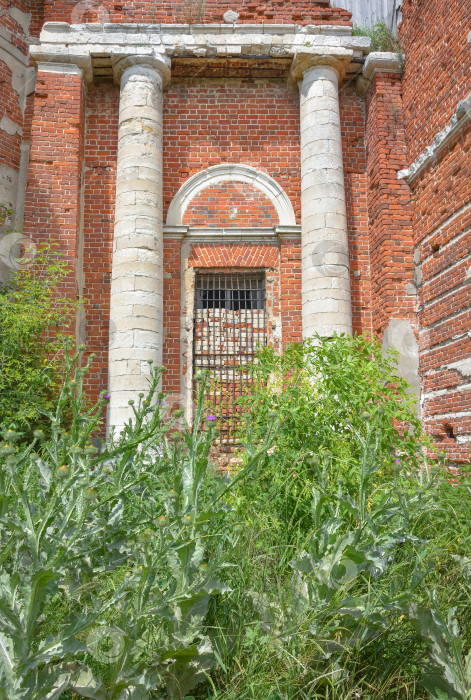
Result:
pixel 229 327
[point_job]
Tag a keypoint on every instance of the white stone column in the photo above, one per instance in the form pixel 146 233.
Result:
pixel 327 306
pixel 136 308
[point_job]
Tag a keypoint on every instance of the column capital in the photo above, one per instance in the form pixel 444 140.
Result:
pixel 143 59
pixel 308 57
pixel 379 62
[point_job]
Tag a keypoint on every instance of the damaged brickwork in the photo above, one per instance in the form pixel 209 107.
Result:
pixel 437 112
pixel 19 25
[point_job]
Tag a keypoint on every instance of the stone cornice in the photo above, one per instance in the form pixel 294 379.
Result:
pixel 64 43
pixel 77 56
pixel 130 28
pixel 456 123
pixel 62 68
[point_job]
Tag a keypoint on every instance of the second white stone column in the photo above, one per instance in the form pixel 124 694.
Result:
pixel 326 296
pixel 136 309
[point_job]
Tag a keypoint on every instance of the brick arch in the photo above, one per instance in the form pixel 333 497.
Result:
pixel 228 172
pixel 231 204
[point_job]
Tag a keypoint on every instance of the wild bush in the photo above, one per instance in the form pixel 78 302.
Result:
pixel 326 395
pixel 35 321
pixel 382 38
pixel 353 578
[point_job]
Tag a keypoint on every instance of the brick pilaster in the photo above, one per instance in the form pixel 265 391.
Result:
pixel 53 196
pixel 389 206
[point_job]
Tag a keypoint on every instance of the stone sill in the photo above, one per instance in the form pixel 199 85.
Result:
pixel 247 236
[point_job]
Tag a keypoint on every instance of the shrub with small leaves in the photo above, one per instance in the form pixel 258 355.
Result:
pixel 35 320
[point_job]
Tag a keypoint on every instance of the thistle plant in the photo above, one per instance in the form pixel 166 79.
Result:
pixel 117 544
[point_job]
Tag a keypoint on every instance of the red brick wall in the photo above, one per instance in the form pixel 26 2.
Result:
pixel 11 25
pixel 255 123
pixel 442 227
pixel 434 34
pixel 290 291
pixel 10 144
pixel 437 77
pixel 172 314
pixel 352 116
pixel 177 11
pixel 101 143
pixel 11 88
pixel 52 211
pixel 389 207
pixel 231 204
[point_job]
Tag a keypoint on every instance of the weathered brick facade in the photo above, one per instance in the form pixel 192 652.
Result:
pixel 238 105
pixel 436 38
pixel 184 11
pixel 20 24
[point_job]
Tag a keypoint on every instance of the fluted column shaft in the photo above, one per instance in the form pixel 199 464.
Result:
pixel 136 310
pixel 326 293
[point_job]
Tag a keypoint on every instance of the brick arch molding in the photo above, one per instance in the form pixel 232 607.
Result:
pixel 228 172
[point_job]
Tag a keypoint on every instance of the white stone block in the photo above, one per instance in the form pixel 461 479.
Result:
pixel 147 340
pixel 119 340
pixel 130 352
pixel 324 188
pixel 324 133
pixel 314 119
pixel 123 284
pixel 120 313
pixel 146 313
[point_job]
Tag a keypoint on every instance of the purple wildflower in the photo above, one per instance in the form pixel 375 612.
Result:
pixel 210 417
pixel 398 461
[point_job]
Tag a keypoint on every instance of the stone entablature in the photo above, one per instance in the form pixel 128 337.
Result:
pixel 97 47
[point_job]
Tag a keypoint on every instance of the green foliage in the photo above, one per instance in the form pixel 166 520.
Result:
pixel 382 38
pixel 344 543
pixel 326 395
pixel 35 320
pixel 108 561
pixel 335 564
